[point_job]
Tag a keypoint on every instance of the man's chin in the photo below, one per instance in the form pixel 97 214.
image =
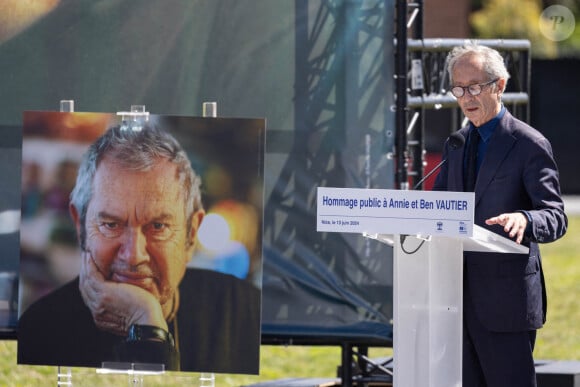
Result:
pixel 475 119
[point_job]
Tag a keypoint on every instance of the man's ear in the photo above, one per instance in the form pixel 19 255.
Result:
pixel 76 217
pixel 196 220
pixel 501 85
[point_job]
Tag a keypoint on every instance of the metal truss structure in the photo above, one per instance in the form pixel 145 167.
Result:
pixel 423 83
pixel 342 113
pixel 339 58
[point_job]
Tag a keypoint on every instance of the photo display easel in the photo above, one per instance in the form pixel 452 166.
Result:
pixel 236 146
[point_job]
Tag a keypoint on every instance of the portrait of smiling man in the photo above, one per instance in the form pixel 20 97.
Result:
pixel 137 208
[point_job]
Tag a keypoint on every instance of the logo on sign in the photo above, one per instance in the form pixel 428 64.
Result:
pixel 439 226
pixel 462 228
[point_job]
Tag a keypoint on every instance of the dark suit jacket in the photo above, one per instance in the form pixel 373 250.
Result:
pixel 518 173
pixel 217 330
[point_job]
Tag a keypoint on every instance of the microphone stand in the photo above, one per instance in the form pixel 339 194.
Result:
pixel 429 174
pixel 456 141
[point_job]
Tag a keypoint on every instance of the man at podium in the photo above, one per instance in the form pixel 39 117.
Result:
pixel 511 168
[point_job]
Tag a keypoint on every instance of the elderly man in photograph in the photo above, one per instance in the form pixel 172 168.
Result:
pixel 137 208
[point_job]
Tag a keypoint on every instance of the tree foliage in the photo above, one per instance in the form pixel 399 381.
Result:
pixel 509 19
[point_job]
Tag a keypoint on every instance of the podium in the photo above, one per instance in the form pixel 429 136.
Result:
pixel 427 270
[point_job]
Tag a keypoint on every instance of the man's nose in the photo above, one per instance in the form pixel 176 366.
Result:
pixel 133 248
pixel 467 96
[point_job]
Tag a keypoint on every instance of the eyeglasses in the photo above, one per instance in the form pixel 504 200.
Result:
pixel 475 89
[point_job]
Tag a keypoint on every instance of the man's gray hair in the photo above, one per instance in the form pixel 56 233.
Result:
pixel 493 62
pixel 138 151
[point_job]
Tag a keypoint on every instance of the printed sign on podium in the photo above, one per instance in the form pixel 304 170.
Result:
pixel 429 232
pixel 384 211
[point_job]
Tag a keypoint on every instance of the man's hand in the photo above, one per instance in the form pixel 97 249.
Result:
pixel 116 306
pixel 513 223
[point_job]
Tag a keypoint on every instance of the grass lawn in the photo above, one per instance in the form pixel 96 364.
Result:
pixel 560 337
pixel 558 340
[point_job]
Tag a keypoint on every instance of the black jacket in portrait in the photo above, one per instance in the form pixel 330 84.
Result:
pixel 217 329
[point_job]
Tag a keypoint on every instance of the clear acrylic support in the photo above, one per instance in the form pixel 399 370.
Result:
pixel 67 105
pixel 207 379
pixel 134 118
pixel 135 371
pixel 209 109
pixel 64 374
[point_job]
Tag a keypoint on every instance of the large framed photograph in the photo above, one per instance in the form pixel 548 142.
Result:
pixel 141 241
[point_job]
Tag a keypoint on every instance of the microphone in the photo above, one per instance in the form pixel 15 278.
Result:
pixel 456 141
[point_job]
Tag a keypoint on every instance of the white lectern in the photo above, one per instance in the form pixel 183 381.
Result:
pixel 427 303
pixel 428 270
